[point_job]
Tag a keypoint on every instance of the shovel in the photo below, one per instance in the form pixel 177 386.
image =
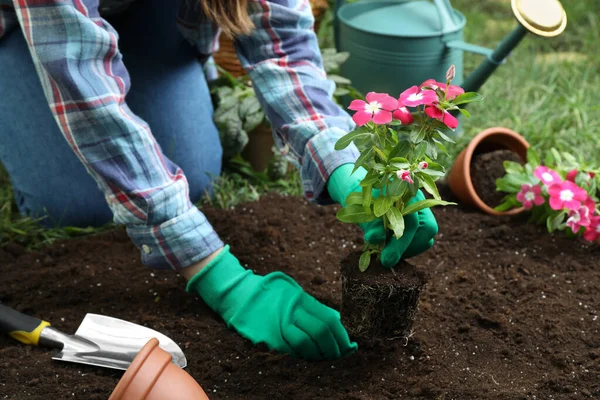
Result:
pixel 101 341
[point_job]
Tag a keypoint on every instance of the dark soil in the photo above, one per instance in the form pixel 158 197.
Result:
pixel 485 169
pixel 380 303
pixel 509 312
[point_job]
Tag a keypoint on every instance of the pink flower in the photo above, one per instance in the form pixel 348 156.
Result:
pixel 451 91
pixel 591 204
pixel 578 218
pixel 448 119
pixel 433 85
pixel 547 175
pixel 592 233
pixel 404 175
pixel 378 107
pixel 566 195
pixel 423 165
pixel 530 195
pixel 571 175
pixel 413 97
pixel 403 115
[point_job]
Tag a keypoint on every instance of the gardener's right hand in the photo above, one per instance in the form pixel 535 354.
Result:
pixel 419 228
pixel 271 309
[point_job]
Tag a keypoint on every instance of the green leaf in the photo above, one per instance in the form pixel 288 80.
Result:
pixel 339 92
pixel 382 205
pixel 339 80
pixel 249 105
pixel 397 187
pixel 507 205
pixel 363 159
pixel 379 167
pixel 401 149
pixel 427 203
pixel 465 112
pixel 533 158
pixel 370 179
pixel 512 167
pixel 367 197
pixel 429 185
pixel 396 220
pixel 444 136
pixel 431 151
pixel 420 151
pixel 364 261
pixel 417 136
pixel 380 153
pixel 441 146
pixel 354 214
pixel 345 140
pixel 399 162
pixel 549 160
pixel 354 198
pixel 554 223
pixel 253 121
pixel 465 98
pixel 227 110
pixel 556 155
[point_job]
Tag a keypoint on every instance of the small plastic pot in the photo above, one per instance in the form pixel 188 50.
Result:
pixel 489 140
pixel 152 376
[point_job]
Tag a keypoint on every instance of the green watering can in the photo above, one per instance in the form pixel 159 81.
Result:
pixel 395 44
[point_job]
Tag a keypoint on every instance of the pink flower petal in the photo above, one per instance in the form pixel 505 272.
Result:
pixel 356 105
pixel 572 204
pixel 520 197
pixel 434 112
pixel 571 175
pixel 527 204
pixel 372 96
pixel 555 190
pixel 382 117
pixel 556 203
pixel 429 97
pixel 454 91
pixel 388 103
pixel 536 189
pixel 450 120
pixel 403 115
pixel 361 117
pixel 539 200
pixel 525 188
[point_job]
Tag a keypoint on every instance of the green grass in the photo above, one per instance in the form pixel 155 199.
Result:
pixel 548 91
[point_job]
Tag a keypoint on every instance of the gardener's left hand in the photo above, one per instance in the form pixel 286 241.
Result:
pixel 420 227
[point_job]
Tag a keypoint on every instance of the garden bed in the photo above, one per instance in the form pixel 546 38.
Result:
pixel 510 311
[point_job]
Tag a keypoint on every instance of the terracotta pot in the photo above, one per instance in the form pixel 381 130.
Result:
pixel 152 376
pixel 491 139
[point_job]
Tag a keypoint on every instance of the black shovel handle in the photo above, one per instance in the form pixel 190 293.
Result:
pixel 25 328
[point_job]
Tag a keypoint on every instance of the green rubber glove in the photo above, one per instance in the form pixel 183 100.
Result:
pixel 271 309
pixel 419 230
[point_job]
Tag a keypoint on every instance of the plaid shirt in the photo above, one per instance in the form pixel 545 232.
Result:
pixel 85 81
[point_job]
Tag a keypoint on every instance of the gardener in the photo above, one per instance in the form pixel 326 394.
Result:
pixel 126 160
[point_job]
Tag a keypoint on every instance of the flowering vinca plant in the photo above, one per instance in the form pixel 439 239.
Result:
pixel 398 140
pixel 561 192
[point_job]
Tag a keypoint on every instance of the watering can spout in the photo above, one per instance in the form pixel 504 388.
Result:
pixel 549 21
pixel 478 77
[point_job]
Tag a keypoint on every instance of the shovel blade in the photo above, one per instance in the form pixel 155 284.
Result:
pixel 116 343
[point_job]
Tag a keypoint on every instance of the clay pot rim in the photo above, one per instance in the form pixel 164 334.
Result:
pixel 133 369
pixel 470 149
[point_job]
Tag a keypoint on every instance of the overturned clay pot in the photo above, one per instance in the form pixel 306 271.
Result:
pixel 153 376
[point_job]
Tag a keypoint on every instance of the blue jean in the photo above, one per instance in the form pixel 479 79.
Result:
pixel 168 90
